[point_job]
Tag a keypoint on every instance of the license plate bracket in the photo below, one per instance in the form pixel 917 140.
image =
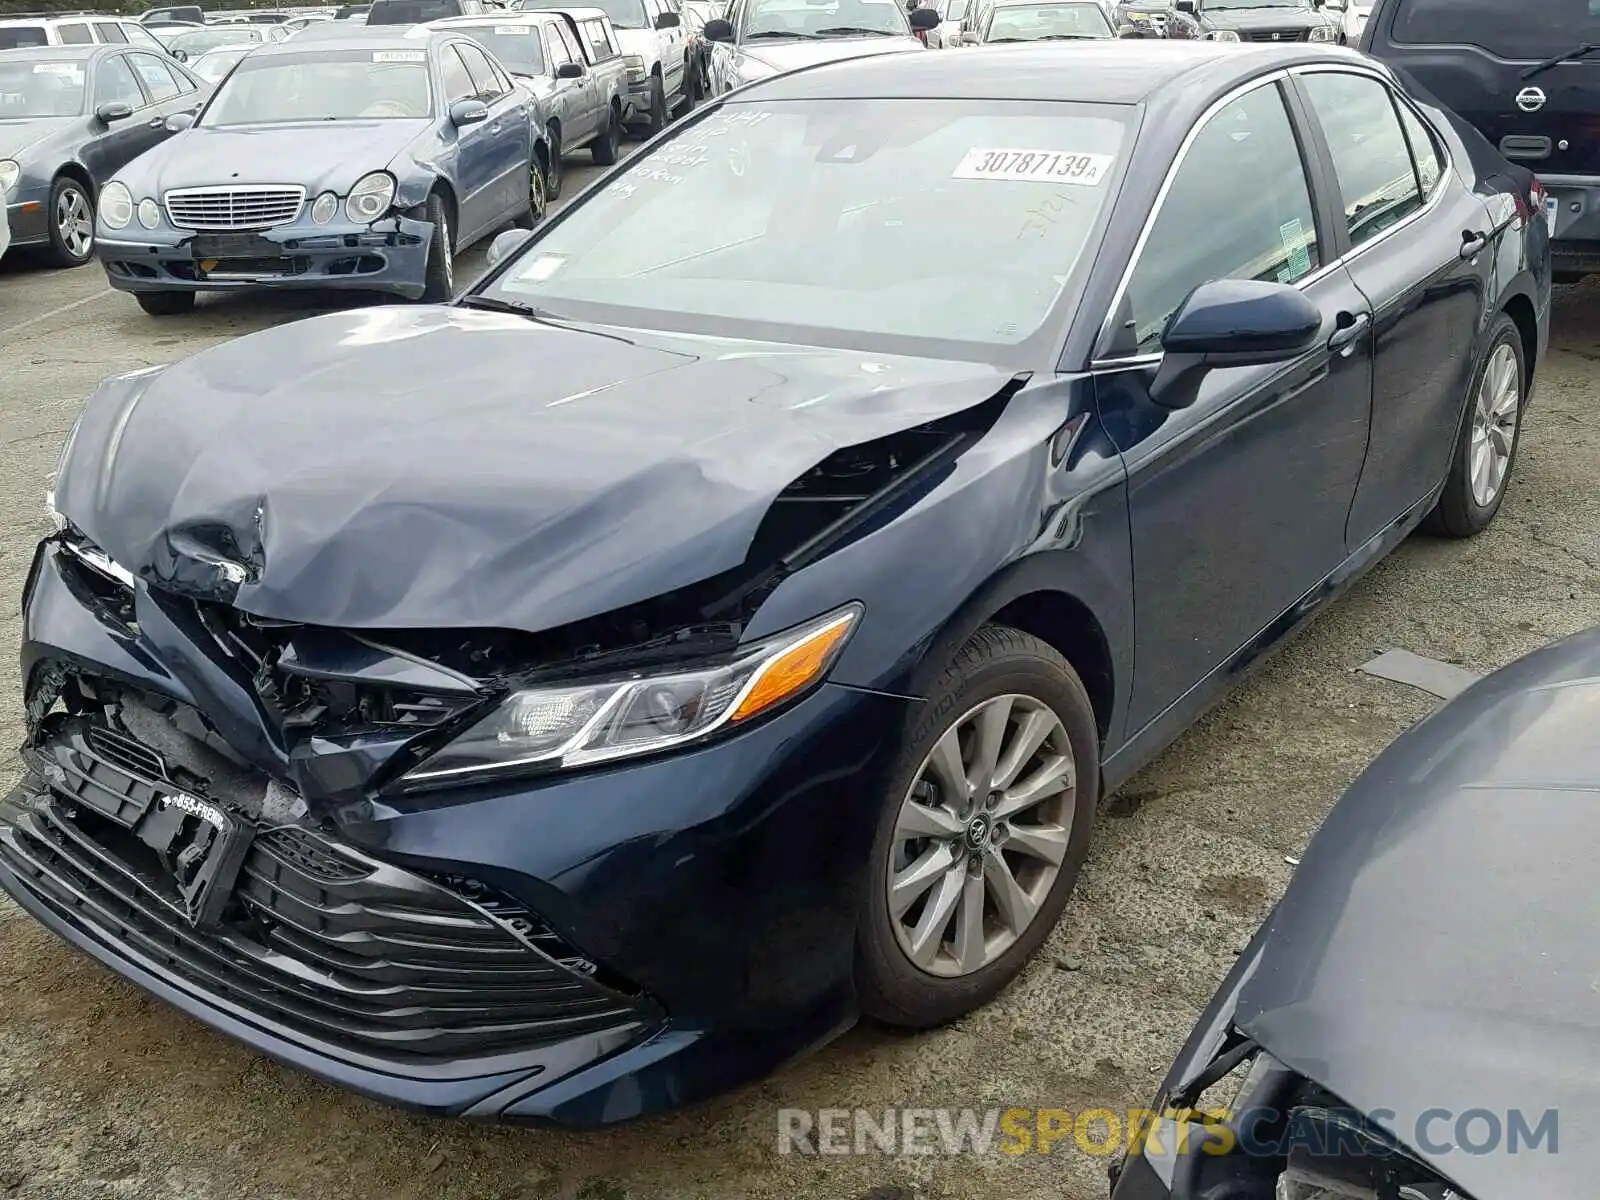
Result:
pixel 1552 207
pixel 202 846
pixel 234 245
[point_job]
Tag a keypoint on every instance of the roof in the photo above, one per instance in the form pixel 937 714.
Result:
pixel 358 37
pixel 1110 71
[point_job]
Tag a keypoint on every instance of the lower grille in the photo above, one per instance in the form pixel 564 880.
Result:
pixel 1278 35
pixel 318 937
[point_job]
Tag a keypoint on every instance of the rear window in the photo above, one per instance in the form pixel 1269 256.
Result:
pixel 1505 30
pixel 415 12
pixel 12 36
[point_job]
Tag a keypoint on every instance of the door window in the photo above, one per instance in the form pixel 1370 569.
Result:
pixel 75 35
pixel 158 81
pixel 1239 208
pixel 1377 181
pixel 114 84
pixel 594 33
pixel 1425 150
pixel 110 31
pixel 458 81
pixel 574 51
pixel 559 53
pixel 485 86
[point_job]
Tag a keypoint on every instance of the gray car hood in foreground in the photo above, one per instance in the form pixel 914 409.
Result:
pixel 789 56
pixel 439 466
pixel 1439 947
pixel 320 154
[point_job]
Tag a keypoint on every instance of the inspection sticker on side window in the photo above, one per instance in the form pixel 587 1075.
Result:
pixel 1034 166
pixel 512 31
pixel 399 56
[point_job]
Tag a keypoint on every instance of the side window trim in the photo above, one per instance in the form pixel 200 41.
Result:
pixel 1446 166
pixel 1101 354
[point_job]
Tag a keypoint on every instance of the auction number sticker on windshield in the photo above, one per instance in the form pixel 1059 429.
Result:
pixel 1034 166
pixel 399 56
pixel 70 70
pixel 512 31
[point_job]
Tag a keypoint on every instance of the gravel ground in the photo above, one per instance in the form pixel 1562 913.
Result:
pixel 105 1093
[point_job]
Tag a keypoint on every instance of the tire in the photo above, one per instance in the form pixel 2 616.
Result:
pixel 998 669
pixel 691 86
pixel 1492 424
pixel 71 227
pixel 165 304
pixel 538 196
pixel 552 177
pixel 604 147
pixel 659 113
pixel 439 279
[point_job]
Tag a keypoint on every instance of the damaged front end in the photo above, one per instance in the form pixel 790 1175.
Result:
pixel 395 855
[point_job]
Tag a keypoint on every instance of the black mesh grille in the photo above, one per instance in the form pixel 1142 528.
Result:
pixel 317 936
pixel 1278 35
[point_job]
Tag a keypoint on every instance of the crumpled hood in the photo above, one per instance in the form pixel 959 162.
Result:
pixel 788 56
pixel 409 467
pixel 1437 946
pixel 319 154
pixel 17 136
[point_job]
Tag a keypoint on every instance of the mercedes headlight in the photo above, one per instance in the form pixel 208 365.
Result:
pixel 10 172
pixel 1322 33
pixel 324 208
pixel 116 206
pixel 1222 35
pixel 578 724
pixel 370 198
pixel 149 213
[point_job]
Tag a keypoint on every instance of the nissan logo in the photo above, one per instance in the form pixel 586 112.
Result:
pixel 1530 99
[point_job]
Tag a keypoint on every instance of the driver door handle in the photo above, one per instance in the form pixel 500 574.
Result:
pixel 1472 242
pixel 1344 338
pixel 157 122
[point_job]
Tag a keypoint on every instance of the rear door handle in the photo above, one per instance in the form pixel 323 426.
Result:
pixel 1472 242
pixel 1344 338
pixel 157 122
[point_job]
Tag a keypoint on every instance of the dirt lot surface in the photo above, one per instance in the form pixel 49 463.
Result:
pixel 106 1093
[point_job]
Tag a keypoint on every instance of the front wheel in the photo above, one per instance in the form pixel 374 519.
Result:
pixel 552 181
pixel 605 147
pixel 983 832
pixel 659 116
pixel 165 304
pixel 71 223
pixel 439 278
pixel 1486 447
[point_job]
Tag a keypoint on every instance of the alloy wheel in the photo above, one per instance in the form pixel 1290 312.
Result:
pixel 537 201
pixel 981 835
pixel 74 222
pixel 447 252
pixel 1494 424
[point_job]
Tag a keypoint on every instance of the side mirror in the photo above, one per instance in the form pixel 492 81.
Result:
pixel 668 20
pixel 719 30
pixel 1186 6
pixel 113 112
pixel 468 112
pixel 569 70
pixel 924 19
pixel 506 244
pixel 178 122
pixel 1231 323
pixel 181 55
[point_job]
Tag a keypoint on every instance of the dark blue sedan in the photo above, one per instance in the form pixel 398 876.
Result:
pixel 723 620
pixel 364 162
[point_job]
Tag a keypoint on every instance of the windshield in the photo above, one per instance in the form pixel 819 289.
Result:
pixel 624 14
pixel 202 40
pixel 213 66
pixel 941 221
pixel 830 18
pixel 1045 22
pixel 335 85
pixel 1500 28
pixel 952 10
pixel 516 46
pixel 40 89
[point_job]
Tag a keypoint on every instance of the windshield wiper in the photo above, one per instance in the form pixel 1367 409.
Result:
pixel 1069 37
pixel 1566 56
pixel 777 33
pixel 496 304
pixel 851 31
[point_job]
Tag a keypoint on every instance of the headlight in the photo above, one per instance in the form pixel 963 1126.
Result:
pixel 1222 35
pixel 619 717
pixel 370 198
pixel 324 209
pixel 10 172
pixel 1322 33
pixel 116 206
pixel 635 65
pixel 149 213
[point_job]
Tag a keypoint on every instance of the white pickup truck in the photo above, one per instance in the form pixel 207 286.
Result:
pixel 655 47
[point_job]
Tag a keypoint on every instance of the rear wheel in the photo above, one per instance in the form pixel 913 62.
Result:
pixel 71 223
pixel 538 196
pixel 165 304
pixel 604 148
pixel 1486 448
pixel 552 179
pixel 439 279
pixel 983 832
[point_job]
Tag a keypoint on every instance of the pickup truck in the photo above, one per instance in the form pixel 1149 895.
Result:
pixel 655 52
pixel 570 61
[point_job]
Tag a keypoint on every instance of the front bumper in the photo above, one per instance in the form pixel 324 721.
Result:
pixel 714 891
pixel 28 214
pixel 390 255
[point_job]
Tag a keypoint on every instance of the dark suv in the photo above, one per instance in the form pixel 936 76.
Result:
pixel 1261 20
pixel 1528 77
